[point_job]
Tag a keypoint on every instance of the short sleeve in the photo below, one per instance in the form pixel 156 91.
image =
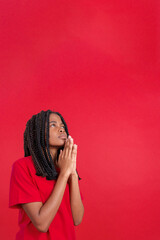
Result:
pixel 22 187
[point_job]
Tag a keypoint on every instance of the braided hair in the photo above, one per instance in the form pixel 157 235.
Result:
pixel 36 144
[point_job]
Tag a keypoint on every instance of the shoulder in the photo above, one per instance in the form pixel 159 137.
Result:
pixel 25 163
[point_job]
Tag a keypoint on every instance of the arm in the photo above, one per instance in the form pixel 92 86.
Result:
pixel 75 197
pixel 41 214
pixel 75 200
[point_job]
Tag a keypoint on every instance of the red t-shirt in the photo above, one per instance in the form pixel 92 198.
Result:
pixel 27 187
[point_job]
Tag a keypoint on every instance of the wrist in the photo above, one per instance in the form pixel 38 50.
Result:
pixel 73 175
pixel 64 174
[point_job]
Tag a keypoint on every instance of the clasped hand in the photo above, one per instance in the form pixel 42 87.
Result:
pixel 67 158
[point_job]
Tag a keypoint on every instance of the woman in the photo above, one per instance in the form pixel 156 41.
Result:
pixel 44 184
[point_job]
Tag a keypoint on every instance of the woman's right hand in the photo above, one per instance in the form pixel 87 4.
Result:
pixel 67 158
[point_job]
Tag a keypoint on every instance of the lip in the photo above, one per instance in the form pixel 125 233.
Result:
pixel 63 136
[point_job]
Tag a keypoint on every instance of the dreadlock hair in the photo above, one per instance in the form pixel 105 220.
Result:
pixel 36 144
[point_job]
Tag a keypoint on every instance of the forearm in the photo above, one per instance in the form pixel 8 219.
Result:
pixel 51 206
pixel 42 215
pixel 75 199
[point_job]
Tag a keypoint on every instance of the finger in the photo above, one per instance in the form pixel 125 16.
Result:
pixel 65 144
pixel 65 149
pixel 74 152
pixel 61 153
pixel 70 139
pixel 70 145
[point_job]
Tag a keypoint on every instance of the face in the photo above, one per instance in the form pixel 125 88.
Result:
pixel 57 133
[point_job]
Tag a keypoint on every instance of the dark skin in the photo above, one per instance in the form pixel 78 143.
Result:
pixel 41 214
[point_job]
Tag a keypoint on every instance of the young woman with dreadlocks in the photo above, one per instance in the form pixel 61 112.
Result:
pixel 44 184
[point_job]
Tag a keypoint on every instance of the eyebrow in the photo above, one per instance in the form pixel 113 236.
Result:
pixel 56 122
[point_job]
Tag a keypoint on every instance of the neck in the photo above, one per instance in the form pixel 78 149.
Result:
pixel 54 157
pixel 53 152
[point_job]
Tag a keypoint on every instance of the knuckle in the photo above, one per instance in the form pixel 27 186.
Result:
pixel 74 153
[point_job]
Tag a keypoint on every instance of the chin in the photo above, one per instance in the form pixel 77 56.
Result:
pixel 57 145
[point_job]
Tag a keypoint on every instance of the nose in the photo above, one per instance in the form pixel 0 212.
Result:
pixel 62 130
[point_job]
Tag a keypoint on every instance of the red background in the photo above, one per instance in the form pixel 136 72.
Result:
pixel 96 62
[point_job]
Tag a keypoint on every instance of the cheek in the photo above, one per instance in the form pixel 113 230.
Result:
pixel 51 135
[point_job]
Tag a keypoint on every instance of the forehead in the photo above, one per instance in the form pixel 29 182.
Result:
pixel 54 117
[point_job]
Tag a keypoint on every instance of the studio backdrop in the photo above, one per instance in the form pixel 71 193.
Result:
pixel 97 63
